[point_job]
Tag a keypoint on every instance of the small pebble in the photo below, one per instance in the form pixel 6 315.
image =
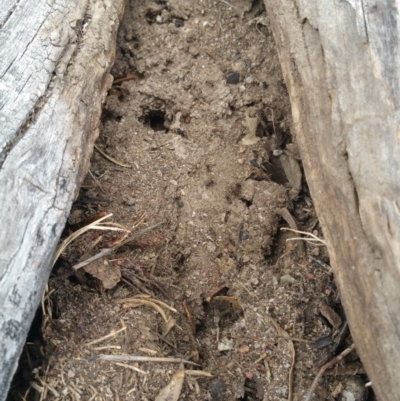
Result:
pixel 225 344
pixel 254 163
pixel 244 349
pixel 249 375
pixel 130 201
pixel 240 161
pixel 216 390
pixel 233 78
pixel 179 22
pixel 287 278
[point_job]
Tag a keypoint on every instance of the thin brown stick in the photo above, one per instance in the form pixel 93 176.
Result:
pixel 128 78
pixel 111 159
pixel 325 367
pixel 134 358
pixel 189 316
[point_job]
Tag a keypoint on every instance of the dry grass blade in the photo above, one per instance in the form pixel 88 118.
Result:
pixel 112 334
pixel 172 390
pixel 108 251
pixel 325 367
pixel 92 226
pixel 134 358
pixel 282 333
pixel 145 296
pixel 313 238
pixel 140 302
pixel 125 365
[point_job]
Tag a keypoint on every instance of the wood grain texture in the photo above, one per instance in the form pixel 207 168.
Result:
pixel 341 64
pixel 54 74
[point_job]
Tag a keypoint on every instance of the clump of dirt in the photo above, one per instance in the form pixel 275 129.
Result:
pixel 201 117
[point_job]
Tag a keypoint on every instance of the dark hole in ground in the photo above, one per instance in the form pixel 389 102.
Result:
pixel 253 390
pixel 155 119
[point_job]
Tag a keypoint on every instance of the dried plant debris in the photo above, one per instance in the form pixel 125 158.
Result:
pixel 172 390
pixel 251 138
pixel 194 264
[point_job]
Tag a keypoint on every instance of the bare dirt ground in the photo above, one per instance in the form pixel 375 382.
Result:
pixel 203 124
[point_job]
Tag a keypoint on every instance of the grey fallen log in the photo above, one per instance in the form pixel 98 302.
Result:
pixel 341 63
pixel 55 61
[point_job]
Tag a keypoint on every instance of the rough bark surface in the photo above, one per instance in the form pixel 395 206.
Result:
pixel 54 74
pixel 341 64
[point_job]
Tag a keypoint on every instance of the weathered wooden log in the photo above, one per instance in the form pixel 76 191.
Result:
pixel 341 64
pixel 54 74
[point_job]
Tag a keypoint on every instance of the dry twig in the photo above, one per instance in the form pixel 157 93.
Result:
pixel 313 238
pixel 111 159
pixel 128 78
pixel 325 367
pixel 134 358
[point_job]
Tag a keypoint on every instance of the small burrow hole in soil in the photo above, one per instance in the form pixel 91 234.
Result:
pixel 155 119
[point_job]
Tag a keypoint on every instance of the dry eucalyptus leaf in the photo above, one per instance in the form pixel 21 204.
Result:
pixel 172 390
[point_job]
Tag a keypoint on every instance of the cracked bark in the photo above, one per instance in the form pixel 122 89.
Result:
pixel 342 71
pixel 53 81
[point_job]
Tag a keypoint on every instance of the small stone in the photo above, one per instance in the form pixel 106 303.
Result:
pixel 247 190
pixel 233 78
pixel 194 51
pixel 254 282
pixel 225 345
pixel 216 390
pixel 179 22
pixel 245 259
pixel 287 278
pixel 240 161
pixel 244 349
pixel 130 201
pixel 249 375
pixel 354 390
pixel 282 391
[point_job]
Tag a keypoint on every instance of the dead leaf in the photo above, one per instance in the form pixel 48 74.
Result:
pixel 108 274
pixel 172 390
pixel 251 138
pixel 292 171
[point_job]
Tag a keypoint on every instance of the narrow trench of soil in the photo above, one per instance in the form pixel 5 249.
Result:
pixel 204 123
